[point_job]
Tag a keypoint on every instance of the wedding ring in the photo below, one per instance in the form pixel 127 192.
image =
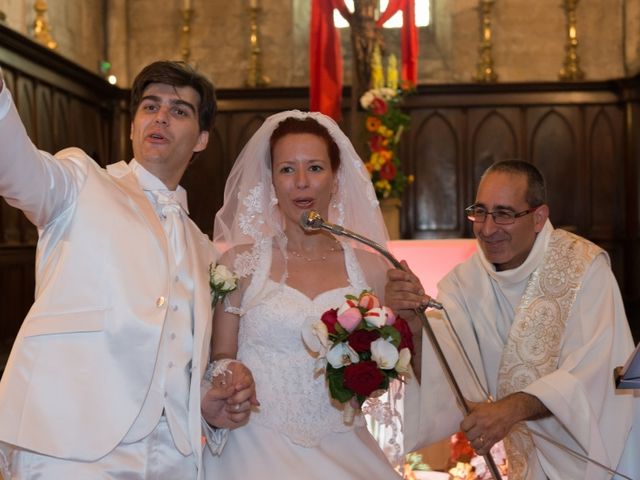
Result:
pixel 237 406
pixel 481 439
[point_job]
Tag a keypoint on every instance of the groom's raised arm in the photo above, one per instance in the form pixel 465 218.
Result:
pixel 35 181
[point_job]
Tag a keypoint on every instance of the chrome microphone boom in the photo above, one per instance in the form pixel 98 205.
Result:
pixel 312 220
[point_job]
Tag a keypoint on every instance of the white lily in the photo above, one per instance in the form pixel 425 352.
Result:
pixel 384 353
pixel 315 335
pixel 341 355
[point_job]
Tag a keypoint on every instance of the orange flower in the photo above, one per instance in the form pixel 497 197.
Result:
pixel 386 154
pixel 373 124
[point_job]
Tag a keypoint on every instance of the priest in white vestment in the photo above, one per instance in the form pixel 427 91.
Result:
pixel 541 318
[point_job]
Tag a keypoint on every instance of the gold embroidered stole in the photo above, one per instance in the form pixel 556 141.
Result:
pixel 535 338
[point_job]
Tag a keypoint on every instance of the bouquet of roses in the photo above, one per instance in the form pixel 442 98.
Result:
pixel 361 346
pixel 222 282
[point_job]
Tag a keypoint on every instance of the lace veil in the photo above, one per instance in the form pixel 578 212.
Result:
pixel 250 219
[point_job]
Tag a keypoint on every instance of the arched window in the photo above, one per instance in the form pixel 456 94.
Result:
pixel 423 14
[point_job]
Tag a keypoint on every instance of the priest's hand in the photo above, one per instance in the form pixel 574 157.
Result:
pixel 229 400
pixel 489 422
pixel 404 294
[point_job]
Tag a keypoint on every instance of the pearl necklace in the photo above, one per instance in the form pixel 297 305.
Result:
pixel 321 258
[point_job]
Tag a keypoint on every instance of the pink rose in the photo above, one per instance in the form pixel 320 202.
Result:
pixel 391 317
pixel 368 301
pixel 350 318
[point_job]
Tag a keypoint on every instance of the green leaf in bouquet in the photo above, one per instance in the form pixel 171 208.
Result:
pixel 337 389
pixel 390 333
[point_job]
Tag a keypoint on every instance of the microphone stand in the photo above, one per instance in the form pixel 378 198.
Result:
pixel 313 221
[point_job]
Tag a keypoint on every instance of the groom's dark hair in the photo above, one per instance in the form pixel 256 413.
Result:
pixel 177 74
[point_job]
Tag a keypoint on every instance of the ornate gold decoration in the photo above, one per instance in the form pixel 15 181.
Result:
pixel 485 72
pixel 255 78
pixel 571 69
pixel 185 34
pixel 41 27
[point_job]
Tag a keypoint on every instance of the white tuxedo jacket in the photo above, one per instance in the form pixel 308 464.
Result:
pixel 83 360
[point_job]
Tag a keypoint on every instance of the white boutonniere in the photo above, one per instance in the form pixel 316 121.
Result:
pixel 222 281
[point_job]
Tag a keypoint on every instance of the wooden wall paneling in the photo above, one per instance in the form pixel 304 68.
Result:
pixel 24 98
pixel 437 139
pixel 43 113
pixel 204 180
pixel 60 122
pixel 17 280
pixel 606 164
pixel 493 136
pixel 554 138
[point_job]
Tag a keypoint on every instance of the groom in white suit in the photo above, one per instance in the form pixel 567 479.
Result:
pixel 104 378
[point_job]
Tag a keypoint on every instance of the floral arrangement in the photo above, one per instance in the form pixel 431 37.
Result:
pixel 361 346
pixel 467 465
pixel 222 281
pixel 384 124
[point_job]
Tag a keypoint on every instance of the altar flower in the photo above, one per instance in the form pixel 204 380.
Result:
pixel 366 346
pixel 222 281
pixel 385 122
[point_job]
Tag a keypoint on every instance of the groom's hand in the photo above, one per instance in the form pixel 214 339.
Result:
pixel 228 403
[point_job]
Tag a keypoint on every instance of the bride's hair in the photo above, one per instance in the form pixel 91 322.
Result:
pixel 309 125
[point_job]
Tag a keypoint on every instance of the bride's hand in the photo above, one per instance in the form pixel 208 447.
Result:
pixel 228 403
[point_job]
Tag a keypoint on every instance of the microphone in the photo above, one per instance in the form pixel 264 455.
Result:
pixel 310 220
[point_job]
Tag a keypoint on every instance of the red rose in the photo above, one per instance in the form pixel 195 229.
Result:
pixel 388 171
pixel 379 106
pixel 330 318
pixel 376 143
pixel 406 337
pixel 362 378
pixel 360 340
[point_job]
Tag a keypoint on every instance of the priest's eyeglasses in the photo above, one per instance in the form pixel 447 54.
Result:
pixel 501 216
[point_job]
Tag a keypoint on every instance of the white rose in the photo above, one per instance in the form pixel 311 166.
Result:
pixel 384 353
pixel 366 99
pixel 387 93
pixel 341 355
pixel 404 361
pixel 224 277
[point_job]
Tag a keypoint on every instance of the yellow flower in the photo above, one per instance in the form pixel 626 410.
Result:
pixel 373 124
pixel 385 132
pixel 383 186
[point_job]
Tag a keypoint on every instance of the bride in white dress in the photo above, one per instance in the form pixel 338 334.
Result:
pixel 295 162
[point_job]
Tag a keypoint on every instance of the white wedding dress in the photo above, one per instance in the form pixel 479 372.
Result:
pixel 297 432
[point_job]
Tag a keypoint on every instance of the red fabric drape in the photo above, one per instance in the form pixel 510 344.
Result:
pixel 325 58
pixel 408 35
